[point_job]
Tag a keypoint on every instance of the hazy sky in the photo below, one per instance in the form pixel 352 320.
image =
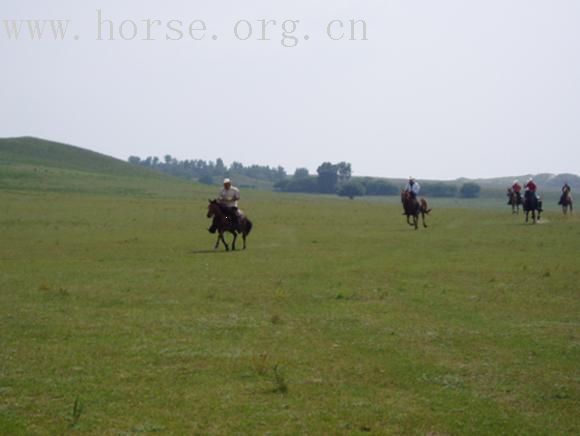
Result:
pixel 441 88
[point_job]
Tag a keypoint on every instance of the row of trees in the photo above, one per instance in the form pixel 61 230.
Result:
pixel 337 179
pixel 327 181
pixel 357 188
pixel 330 178
pixel 361 187
pixel 209 172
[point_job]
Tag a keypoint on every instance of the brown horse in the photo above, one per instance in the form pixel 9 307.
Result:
pixel 224 223
pixel 514 200
pixel 567 202
pixel 412 208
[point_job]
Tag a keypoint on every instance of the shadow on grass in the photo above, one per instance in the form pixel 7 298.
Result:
pixel 207 251
pixel 218 251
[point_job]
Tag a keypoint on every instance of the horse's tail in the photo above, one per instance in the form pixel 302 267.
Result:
pixel 424 206
pixel 249 226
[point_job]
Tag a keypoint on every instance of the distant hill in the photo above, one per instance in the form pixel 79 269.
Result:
pixel 32 164
pixel 39 152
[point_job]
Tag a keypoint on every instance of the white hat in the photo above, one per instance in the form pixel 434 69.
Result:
pixel 411 178
pixel 227 181
pixel 531 179
pixel 516 181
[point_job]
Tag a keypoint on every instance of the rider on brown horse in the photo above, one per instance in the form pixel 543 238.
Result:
pixel 566 191
pixel 413 188
pixel 516 189
pixel 228 201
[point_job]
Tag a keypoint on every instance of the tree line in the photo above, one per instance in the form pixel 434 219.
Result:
pixel 330 178
pixel 209 172
pixel 337 179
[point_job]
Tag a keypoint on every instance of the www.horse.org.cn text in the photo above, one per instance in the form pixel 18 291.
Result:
pixel 287 33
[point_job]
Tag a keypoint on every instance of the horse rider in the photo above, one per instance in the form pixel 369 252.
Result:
pixel 517 188
pixel 228 198
pixel 531 187
pixel 413 188
pixel 566 190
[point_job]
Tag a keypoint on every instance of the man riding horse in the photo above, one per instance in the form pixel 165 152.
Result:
pixel 413 188
pixel 566 199
pixel 532 201
pixel 566 191
pixel 516 188
pixel 412 207
pixel 228 198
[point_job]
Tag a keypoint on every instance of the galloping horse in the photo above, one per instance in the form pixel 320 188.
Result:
pixel 567 202
pixel 225 224
pixel 514 200
pixel 532 204
pixel 412 208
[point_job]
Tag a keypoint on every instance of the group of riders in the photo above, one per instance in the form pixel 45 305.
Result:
pixel 229 196
pixel 531 193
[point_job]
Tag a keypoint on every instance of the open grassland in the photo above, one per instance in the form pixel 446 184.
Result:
pixel 338 319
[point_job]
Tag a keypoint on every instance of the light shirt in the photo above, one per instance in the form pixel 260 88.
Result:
pixel 414 189
pixel 229 197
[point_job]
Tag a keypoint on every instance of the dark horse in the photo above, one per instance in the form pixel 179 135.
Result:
pixel 532 204
pixel 224 223
pixel 412 208
pixel 566 202
pixel 514 200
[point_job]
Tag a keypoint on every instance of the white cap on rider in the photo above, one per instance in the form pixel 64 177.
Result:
pixel 531 179
pixel 516 181
pixel 411 178
pixel 226 181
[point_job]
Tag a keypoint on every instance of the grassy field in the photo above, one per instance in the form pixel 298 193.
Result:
pixel 338 319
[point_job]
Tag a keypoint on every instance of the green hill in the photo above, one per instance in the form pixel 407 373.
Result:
pixel 38 152
pixel 33 164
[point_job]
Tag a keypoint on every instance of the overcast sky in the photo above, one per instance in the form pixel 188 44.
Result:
pixel 441 88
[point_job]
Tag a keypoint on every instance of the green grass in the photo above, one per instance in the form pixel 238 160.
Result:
pixel 116 317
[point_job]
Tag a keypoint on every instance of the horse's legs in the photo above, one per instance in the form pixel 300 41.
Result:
pixel 234 241
pixel 224 241
pixel 423 218
pixel 244 234
pixel 416 221
pixel 409 222
pixel 217 243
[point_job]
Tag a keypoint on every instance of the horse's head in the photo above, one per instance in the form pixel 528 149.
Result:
pixel 405 196
pixel 212 208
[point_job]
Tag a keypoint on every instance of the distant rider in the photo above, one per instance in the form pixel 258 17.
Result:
pixel 566 190
pixel 531 186
pixel 228 198
pixel 413 188
pixel 517 188
pixel 531 189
